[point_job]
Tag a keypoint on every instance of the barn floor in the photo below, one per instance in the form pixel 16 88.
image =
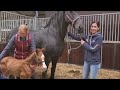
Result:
pixel 71 71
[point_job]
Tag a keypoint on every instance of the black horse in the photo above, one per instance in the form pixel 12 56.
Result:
pixel 52 36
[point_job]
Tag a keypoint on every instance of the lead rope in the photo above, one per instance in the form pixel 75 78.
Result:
pixel 69 44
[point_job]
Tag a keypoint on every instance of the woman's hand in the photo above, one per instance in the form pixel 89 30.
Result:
pixel 82 41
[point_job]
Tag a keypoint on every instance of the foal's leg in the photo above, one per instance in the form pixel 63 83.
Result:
pixel 12 77
pixel 45 72
pixel 23 75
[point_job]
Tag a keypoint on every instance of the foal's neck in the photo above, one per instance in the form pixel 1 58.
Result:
pixel 30 58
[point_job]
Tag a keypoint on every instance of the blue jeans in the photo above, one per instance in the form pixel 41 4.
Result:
pixel 90 69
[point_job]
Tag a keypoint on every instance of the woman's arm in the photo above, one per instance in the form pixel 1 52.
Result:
pixel 8 46
pixel 94 48
pixel 33 45
pixel 76 37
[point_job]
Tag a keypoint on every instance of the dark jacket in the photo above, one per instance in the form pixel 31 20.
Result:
pixel 11 43
pixel 92 47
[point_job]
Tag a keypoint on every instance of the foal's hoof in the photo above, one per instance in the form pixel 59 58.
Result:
pixel 11 77
pixel 51 77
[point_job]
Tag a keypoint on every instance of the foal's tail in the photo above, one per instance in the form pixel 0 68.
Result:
pixel 3 67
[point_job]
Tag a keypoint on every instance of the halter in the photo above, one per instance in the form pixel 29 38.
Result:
pixel 69 45
pixel 73 21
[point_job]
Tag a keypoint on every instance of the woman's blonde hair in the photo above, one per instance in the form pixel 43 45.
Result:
pixel 25 27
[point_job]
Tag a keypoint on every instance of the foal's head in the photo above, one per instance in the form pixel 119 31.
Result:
pixel 40 57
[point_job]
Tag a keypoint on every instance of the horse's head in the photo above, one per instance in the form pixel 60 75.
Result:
pixel 40 57
pixel 75 20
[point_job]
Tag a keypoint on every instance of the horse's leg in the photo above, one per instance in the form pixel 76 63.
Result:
pixel 53 68
pixel 45 72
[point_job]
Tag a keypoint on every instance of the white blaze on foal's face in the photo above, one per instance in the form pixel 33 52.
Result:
pixel 43 61
pixel 41 57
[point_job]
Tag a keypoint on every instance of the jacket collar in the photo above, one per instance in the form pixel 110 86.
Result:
pixel 22 39
pixel 96 34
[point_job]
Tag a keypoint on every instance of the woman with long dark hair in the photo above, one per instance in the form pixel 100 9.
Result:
pixel 92 45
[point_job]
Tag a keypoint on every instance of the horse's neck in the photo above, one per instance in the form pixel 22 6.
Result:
pixel 30 58
pixel 60 26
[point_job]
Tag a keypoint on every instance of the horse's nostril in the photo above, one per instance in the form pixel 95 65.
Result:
pixel 80 30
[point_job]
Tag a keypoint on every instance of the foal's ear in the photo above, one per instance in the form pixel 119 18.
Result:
pixel 37 50
pixel 43 49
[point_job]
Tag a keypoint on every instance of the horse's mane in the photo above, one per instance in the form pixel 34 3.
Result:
pixel 53 18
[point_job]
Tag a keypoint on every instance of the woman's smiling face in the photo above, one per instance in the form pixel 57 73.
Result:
pixel 94 28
